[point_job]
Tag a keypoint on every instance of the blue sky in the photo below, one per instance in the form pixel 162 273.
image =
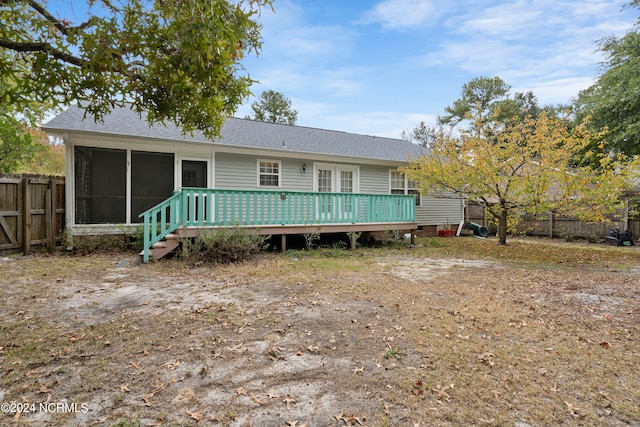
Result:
pixel 378 67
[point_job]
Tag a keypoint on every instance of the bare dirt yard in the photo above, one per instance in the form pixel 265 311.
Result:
pixel 459 331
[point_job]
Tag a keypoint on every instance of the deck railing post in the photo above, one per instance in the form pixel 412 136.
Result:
pixel 147 237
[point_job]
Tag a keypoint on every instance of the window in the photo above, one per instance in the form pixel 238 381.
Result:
pixel 400 184
pixel 194 173
pixel 335 178
pixel 151 180
pixel 346 181
pixel 324 181
pixel 100 185
pixel 268 173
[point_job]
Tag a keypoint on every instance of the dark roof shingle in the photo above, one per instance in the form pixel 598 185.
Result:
pixel 243 133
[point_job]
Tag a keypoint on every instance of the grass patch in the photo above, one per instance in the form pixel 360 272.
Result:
pixel 394 353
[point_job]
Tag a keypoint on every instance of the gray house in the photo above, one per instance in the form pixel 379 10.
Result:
pixel 271 178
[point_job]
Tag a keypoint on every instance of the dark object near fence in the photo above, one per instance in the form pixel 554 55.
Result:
pixel 478 230
pixel 618 238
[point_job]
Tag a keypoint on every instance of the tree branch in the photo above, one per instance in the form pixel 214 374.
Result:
pixel 85 24
pixel 49 17
pixel 43 48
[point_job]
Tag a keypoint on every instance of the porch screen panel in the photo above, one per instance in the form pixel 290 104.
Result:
pixel 151 180
pixel 100 185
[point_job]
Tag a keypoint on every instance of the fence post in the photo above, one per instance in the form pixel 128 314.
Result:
pixel 54 212
pixel 551 225
pixel 26 217
pixel 48 222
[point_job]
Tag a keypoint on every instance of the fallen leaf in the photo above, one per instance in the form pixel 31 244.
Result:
pixel 573 411
pixel 257 399
pixel 487 358
pixel 289 401
pixel 74 339
pixel 194 415
pixel 441 392
pixel 387 409
pixel 358 370
pixel 241 390
pixel 104 419
pixel 605 344
pixel 184 396
pixel 124 388
pixel 172 366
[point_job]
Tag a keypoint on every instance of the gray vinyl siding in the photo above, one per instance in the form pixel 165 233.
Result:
pixel 374 179
pixel 440 211
pixel 292 176
pixel 237 171
pixel 234 171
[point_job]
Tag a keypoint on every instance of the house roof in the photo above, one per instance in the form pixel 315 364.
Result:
pixel 242 133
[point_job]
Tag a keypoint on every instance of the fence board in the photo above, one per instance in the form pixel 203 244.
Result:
pixel 31 212
pixel 561 226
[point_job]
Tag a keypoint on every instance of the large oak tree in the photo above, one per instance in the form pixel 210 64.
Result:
pixel 178 60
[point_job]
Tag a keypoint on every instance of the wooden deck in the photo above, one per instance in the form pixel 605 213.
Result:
pixel 191 210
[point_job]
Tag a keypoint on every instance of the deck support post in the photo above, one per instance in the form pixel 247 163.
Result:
pixel 413 237
pixel 352 240
pixel 283 243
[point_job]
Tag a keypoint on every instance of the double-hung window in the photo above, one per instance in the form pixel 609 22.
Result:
pixel 400 184
pixel 269 173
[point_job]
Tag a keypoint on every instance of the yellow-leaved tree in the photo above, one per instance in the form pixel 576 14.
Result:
pixel 526 165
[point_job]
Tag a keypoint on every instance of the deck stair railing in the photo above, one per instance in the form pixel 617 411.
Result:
pixel 207 207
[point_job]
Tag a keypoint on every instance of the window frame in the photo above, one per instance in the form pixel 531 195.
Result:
pixel 336 174
pixel 406 188
pixel 260 174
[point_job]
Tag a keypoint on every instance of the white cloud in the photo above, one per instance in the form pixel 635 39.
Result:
pixel 342 75
pixel 524 41
pixel 398 14
pixel 389 124
pixel 288 33
pixel 559 91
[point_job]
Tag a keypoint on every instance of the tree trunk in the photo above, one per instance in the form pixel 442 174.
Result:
pixel 502 226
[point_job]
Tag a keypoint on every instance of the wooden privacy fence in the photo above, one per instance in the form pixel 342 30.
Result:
pixel 570 227
pixel 560 226
pixel 31 212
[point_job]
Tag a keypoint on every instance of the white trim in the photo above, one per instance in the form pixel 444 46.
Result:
pixel 278 162
pixel 335 169
pixel 70 182
pixel 180 157
pixel 128 190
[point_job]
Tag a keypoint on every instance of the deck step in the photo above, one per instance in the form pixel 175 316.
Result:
pixel 163 247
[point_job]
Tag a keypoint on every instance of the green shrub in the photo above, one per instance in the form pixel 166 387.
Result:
pixel 222 246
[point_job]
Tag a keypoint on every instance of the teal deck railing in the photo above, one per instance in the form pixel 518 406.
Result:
pixel 255 208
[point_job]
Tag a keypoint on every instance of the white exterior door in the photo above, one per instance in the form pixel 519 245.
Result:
pixel 332 178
